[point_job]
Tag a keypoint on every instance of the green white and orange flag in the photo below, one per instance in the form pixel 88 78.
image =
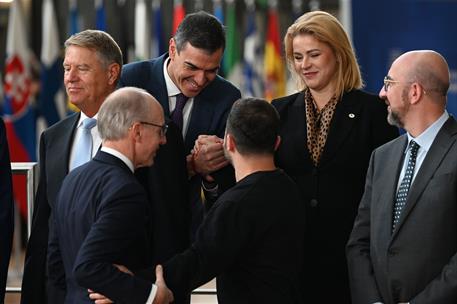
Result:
pixel 275 72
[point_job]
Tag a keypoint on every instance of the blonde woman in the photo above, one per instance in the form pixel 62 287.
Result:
pixel 328 130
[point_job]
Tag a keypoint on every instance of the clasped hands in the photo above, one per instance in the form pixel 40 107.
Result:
pixel 206 157
pixel 163 294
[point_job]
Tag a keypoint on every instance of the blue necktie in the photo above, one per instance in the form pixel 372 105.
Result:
pixel 403 190
pixel 83 145
pixel 176 116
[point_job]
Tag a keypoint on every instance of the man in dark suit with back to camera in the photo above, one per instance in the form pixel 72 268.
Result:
pixel 92 65
pixel 197 100
pixel 102 215
pixel 403 246
pixel 6 209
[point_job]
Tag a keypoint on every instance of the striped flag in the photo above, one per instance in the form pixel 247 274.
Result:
pixel 178 14
pixel 275 73
pixel 100 18
pixel 252 84
pixel 51 102
pixel 157 43
pixel 18 114
pixel 142 31
pixel 218 10
pixel 74 18
pixel 232 56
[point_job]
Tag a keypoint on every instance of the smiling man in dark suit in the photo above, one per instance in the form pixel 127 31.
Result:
pixel 92 65
pixel 403 246
pixel 102 215
pixel 188 72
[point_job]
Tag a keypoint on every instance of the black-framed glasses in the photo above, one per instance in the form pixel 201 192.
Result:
pixel 163 128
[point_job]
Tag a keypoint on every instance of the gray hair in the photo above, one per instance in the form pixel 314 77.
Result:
pixel 101 42
pixel 121 109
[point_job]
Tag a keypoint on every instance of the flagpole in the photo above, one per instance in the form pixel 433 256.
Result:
pixel 346 16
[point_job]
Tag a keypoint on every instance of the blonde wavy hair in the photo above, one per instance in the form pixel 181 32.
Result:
pixel 327 29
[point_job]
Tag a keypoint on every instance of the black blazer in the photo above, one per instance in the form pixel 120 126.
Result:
pixel 331 191
pixel 101 218
pixel 6 209
pixel 55 148
pixel 418 262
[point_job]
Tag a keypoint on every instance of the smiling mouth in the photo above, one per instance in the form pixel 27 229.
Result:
pixel 72 89
pixel 310 74
pixel 193 85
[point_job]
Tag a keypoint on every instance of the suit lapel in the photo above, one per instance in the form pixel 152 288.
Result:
pixel 61 147
pixel 438 151
pixel 159 88
pixel 58 155
pixel 391 166
pixel 346 114
pixel 296 122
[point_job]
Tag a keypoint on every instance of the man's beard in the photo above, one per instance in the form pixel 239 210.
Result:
pixel 396 118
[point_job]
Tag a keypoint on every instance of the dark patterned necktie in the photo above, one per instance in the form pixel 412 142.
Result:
pixel 403 190
pixel 176 116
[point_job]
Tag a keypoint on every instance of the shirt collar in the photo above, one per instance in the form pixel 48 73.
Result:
pixel 84 116
pixel 119 155
pixel 172 89
pixel 426 138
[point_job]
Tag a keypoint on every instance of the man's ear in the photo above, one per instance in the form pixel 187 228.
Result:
pixel 416 93
pixel 135 132
pixel 113 72
pixel 172 48
pixel 277 142
pixel 230 143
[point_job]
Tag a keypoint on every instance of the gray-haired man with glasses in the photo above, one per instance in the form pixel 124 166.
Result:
pixel 102 215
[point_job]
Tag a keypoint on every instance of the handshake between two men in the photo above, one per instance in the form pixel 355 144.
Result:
pixel 162 294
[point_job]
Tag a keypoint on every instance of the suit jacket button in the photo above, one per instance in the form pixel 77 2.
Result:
pixel 313 203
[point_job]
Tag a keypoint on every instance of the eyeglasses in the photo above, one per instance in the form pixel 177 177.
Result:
pixel 163 128
pixel 388 81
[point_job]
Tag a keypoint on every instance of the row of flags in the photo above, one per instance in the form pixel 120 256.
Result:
pixel 258 71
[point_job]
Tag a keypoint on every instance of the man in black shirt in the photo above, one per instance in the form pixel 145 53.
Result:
pixel 251 239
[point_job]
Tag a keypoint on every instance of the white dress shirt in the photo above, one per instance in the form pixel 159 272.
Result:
pixel 172 91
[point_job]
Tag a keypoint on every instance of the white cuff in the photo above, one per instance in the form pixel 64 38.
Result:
pixel 152 295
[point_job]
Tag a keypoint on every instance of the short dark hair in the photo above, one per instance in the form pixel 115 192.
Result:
pixel 254 125
pixel 202 31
